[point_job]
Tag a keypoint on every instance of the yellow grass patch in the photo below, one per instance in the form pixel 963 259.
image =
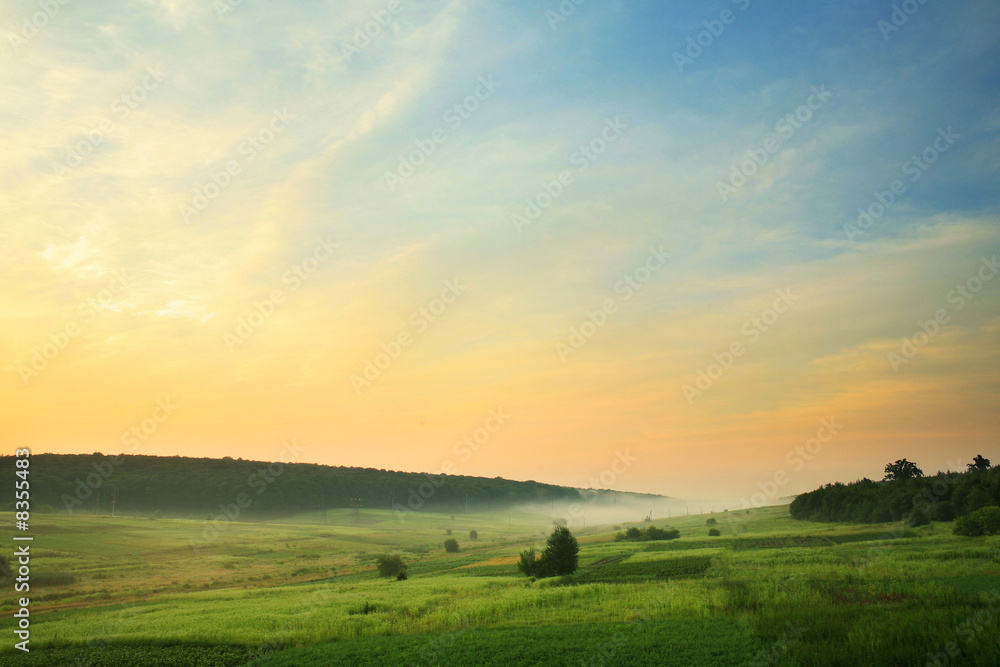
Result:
pixel 499 560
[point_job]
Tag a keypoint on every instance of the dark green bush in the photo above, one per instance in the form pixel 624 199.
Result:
pixel 390 565
pixel 451 545
pixel 634 534
pixel 985 521
pixel 714 532
pixel 527 563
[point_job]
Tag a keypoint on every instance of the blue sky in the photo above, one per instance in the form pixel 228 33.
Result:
pixel 346 121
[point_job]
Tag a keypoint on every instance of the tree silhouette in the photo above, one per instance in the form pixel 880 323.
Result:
pixel 979 463
pixel 900 470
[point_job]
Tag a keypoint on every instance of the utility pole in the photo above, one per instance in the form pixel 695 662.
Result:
pixel 466 502
pixel 114 498
pixel 356 506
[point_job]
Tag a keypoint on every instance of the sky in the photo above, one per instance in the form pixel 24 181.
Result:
pixel 708 250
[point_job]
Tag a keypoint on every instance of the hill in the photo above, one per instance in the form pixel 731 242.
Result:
pixel 183 486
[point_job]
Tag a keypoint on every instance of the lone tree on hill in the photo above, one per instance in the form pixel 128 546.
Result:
pixel 900 470
pixel 561 554
pixel 451 545
pixel 979 463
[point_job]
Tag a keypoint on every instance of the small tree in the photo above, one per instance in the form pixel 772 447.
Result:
pixel 473 535
pixel 561 555
pixel 711 522
pixel 979 464
pixel 714 532
pixel 528 562
pixel 900 470
pixel 390 565
pixel 451 545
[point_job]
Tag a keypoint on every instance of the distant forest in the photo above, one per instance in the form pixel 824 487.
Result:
pixel 941 497
pixel 181 486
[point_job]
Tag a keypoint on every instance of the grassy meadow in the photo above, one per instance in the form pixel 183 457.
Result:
pixel 304 591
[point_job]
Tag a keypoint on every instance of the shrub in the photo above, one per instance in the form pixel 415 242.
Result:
pixel 714 532
pixel 401 576
pixel 711 522
pixel 389 565
pixel 451 545
pixel 985 521
pixel 527 563
pixel 654 533
pixel 918 518
pixel 473 535
pixel 634 534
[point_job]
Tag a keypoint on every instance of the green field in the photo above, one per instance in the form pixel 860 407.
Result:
pixel 770 590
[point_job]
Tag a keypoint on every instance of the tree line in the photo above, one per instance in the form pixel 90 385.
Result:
pixel 183 486
pixel 904 493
